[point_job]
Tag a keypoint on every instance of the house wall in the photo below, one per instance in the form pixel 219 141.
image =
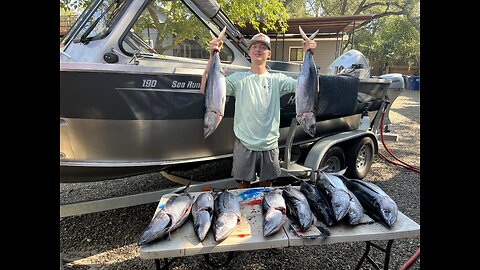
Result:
pixel 323 56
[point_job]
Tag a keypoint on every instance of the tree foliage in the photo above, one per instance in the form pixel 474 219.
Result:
pixel 271 13
pixel 391 38
pixel 395 43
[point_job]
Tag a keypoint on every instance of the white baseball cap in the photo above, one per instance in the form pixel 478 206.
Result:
pixel 260 37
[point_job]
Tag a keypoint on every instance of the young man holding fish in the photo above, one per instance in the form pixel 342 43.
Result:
pixel 257 111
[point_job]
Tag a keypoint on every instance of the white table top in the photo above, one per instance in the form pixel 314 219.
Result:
pixel 248 234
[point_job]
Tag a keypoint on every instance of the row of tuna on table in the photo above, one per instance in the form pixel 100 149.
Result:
pixel 322 201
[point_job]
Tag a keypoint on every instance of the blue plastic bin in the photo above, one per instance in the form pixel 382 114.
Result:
pixel 414 82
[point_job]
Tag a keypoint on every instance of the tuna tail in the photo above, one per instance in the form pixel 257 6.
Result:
pixel 221 35
pixel 305 35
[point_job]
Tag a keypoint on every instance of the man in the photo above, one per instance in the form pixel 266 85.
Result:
pixel 257 112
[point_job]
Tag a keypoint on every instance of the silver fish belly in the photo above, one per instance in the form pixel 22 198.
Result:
pixel 172 216
pixel 202 214
pixel 355 210
pixel 215 97
pixel 274 212
pixel 227 215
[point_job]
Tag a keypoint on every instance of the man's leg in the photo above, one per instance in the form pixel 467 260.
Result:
pixel 269 167
pixel 243 166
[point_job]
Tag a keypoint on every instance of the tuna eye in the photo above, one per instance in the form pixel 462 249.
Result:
pixel 386 211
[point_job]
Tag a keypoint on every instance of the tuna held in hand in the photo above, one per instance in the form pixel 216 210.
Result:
pixel 306 92
pixel 215 94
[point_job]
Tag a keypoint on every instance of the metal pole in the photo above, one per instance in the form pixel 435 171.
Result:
pixel 353 34
pixel 336 46
pixel 276 46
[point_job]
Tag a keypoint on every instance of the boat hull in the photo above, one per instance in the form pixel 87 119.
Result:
pixel 112 125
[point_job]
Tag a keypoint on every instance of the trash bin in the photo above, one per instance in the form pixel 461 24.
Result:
pixel 414 82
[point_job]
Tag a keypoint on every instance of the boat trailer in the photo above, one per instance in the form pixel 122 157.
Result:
pixel 317 157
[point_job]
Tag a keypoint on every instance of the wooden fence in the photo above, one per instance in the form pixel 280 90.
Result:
pixel 405 70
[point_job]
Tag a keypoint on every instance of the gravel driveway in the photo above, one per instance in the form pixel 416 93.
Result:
pixel 107 240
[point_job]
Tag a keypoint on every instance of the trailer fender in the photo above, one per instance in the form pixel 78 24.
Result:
pixel 318 150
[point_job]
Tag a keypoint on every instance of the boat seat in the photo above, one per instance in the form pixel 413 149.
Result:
pixel 337 96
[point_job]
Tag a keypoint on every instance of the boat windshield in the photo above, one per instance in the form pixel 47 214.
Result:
pixel 170 28
pixel 95 21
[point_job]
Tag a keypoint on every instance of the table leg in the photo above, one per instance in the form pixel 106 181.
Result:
pixel 166 263
pixel 367 257
pixel 214 264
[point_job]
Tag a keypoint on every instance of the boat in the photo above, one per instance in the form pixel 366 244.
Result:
pixel 130 100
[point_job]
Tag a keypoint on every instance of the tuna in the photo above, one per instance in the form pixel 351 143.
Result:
pixel 298 208
pixel 306 92
pixel 215 94
pixel 274 211
pixel 169 218
pixel 336 191
pixel 227 215
pixel 202 214
pixel 318 202
pixel 377 204
pixel 355 211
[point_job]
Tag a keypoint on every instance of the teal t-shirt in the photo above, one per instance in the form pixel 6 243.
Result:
pixel 257 107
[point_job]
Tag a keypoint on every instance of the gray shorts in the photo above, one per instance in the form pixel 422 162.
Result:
pixel 247 164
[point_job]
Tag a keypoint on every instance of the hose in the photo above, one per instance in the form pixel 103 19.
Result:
pixel 411 260
pixel 405 165
pixel 402 164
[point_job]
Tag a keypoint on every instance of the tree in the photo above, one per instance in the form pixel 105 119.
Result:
pixel 391 38
pixel 396 42
pixel 296 8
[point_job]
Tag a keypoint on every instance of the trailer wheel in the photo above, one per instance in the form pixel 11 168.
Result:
pixel 334 158
pixel 359 158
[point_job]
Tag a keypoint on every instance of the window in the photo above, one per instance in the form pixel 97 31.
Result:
pixel 98 25
pixel 296 54
pixel 173 30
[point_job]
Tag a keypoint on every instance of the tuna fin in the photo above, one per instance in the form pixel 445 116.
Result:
pixel 339 173
pixel 184 189
pixel 366 222
pixel 326 232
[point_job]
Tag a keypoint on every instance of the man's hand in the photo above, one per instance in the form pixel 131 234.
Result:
pixel 215 45
pixel 309 45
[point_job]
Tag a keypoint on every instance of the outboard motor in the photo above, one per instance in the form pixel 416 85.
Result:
pixel 397 85
pixel 352 62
